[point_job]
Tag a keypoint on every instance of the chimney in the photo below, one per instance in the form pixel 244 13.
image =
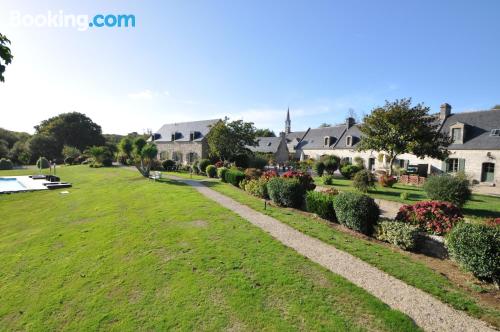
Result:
pixel 350 122
pixel 445 111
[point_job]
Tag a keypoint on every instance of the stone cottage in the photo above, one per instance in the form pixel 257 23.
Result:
pixel 275 147
pixel 183 142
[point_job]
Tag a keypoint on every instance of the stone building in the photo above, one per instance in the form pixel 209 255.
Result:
pixel 274 146
pixel 475 150
pixel 183 142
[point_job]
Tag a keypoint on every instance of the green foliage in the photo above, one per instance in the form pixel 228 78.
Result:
pixel 349 170
pixel 404 196
pixel 448 188
pixel 70 152
pixel 328 180
pixel 43 145
pixel 360 162
pixel 257 187
pixel 168 164
pixel 73 129
pixel 42 162
pixel 331 163
pixel 286 192
pixel 144 154
pixel 363 181
pixel 356 211
pixel 202 165
pixel 400 234
pixel 211 171
pixel 398 127
pixel 321 204
pixel 257 161
pixel 234 177
pixel 101 156
pixel 229 139
pixel 253 173
pixel 126 147
pixel 477 249
pixel 20 152
pixel 264 133
pixel 5 164
pixel 319 167
pixel 221 173
pixel 5 55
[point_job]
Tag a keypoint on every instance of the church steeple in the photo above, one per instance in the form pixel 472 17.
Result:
pixel 288 122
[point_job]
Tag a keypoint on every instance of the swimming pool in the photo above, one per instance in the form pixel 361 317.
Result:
pixel 10 184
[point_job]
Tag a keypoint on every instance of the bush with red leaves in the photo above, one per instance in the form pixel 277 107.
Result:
pixel 219 164
pixel 305 179
pixel 386 180
pixel 270 174
pixel 433 217
pixel 494 222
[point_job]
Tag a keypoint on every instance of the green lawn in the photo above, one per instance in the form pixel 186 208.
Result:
pixel 479 207
pixel 124 253
pixel 394 262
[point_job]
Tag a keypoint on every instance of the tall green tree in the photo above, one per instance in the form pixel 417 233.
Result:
pixel 400 127
pixel 226 140
pixel 41 145
pixel 5 55
pixel 264 133
pixel 73 129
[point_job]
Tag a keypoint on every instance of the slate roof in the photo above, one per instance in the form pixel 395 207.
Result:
pixel 294 138
pixel 314 139
pixel 478 126
pixel 355 133
pixel 184 129
pixel 266 145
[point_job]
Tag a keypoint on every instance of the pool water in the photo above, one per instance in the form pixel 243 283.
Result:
pixel 10 184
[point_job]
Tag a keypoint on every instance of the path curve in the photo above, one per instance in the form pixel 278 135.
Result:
pixel 427 312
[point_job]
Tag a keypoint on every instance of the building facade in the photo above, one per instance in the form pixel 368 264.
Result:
pixel 275 147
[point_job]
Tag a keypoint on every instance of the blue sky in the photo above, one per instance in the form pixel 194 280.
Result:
pixel 192 60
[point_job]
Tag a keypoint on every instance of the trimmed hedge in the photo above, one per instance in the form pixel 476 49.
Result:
pixel 211 171
pixel 221 173
pixel 234 177
pixel 453 189
pixel 319 167
pixel 356 211
pixel 168 164
pixel 286 192
pixel 477 248
pixel 202 165
pixel 6 164
pixel 398 233
pixel 321 204
pixel 328 180
pixel 363 180
pixel 349 170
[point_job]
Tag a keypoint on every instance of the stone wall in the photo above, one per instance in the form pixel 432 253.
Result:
pixel 166 150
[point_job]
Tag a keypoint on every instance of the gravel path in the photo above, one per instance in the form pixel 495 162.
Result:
pixel 427 312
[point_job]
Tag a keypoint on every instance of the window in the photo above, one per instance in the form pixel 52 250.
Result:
pixel 452 165
pixel 163 155
pixel 327 141
pixel 191 157
pixel 349 141
pixel 456 134
pixel 495 132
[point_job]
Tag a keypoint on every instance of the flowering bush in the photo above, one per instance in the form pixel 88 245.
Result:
pixel 387 181
pixel 434 217
pixel 493 222
pixel 219 164
pixel 253 173
pixel 305 179
pixel 270 174
pixel 256 187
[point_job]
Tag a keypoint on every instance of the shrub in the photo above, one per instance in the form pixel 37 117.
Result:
pixel 211 171
pixel 363 180
pixel 319 167
pixel 359 161
pixel 202 165
pixel 219 164
pixel 257 187
pixel 286 192
pixel 69 161
pixel 43 162
pixel 398 233
pixel 433 217
pixel 356 211
pixel 492 222
pixel 270 174
pixel 404 195
pixel 453 189
pixel 477 249
pixel 387 180
pixel 5 164
pixel 305 179
pixel 253 173
pixel 168 164
pixel 155 164
pixel 234 177
pixel 331 164
pixel 194 168
pixel 321 204
pixel 257 162
pixel 328 180
pixel 221 172
pixel 349 170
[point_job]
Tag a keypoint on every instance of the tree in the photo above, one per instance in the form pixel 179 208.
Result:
pixel 70 152
pixel 5 55
pixel 20 152
pixel 264 133
pixel 126 146
pixel 496 107
pixel 144 156
pixel 325 125
pixel 4 148
pixel 226 140
pixel 43 146
pixel 73 129
pixel 398 127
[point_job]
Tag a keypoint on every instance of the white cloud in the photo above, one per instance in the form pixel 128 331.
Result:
pixel 142 95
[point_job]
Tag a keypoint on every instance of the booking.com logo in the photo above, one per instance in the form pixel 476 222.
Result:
pixel 81 22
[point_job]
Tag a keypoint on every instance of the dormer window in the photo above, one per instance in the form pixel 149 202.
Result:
pixel 348 141
pixel 191 136
pixel 327 141
pixel 173 137
pixel 495 132
pixel 457 133
pixel 269 143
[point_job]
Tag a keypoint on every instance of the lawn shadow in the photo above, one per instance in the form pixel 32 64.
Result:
pixel 481 213
pixel 172 182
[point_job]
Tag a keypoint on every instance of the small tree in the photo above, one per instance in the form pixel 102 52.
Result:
pixel 227 140
pixel 264 133
pixel 331 164
pixel 144 156
pixel 398 128
pixel 126 147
